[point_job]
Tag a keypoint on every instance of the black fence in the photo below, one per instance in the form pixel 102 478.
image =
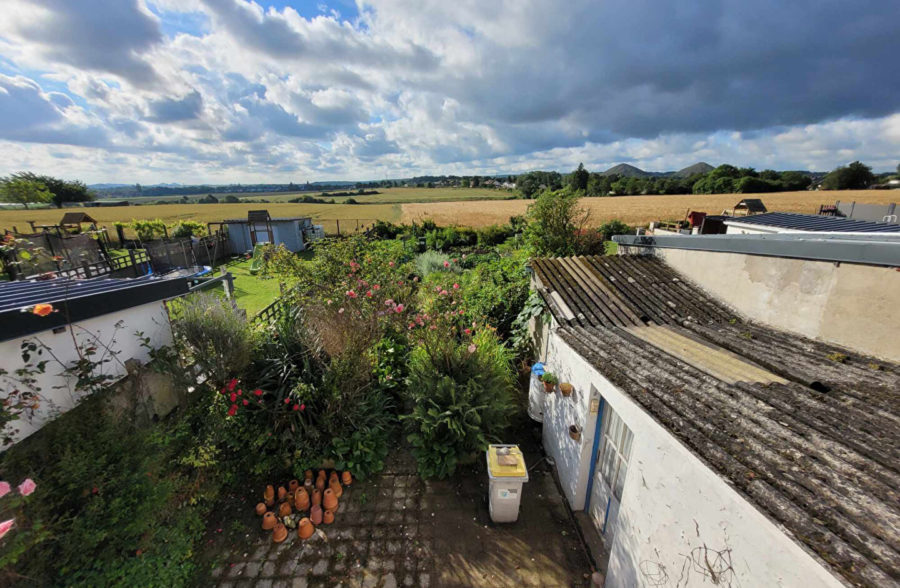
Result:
pixel 168 254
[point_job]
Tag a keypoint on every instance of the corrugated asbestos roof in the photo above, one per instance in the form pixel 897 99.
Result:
pixel 810 441
pixel 814 222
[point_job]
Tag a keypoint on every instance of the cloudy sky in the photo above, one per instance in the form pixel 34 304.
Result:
pixel 239 91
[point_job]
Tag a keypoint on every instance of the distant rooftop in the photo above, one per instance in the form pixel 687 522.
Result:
pixel 814 222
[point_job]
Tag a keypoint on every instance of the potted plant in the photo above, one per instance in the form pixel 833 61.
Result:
pixel 550 381
pixel 566 389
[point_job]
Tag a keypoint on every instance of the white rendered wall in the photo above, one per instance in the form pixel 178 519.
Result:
pixel 676 513
pixel 57 393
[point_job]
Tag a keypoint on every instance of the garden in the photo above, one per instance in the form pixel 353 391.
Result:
pixel 410 337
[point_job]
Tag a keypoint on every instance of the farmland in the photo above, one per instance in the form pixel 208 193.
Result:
pixel 637 210
pixel 469 208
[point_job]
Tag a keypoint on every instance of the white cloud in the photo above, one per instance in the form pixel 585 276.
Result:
pixel 430 86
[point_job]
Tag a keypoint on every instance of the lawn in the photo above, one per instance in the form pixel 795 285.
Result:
pixel 254 292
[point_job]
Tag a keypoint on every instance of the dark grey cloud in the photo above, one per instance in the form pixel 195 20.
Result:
pixel 99 35
pixel 168 110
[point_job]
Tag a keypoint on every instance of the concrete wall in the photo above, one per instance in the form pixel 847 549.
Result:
pixel 677 516
pixel 856 306
pixel 57 391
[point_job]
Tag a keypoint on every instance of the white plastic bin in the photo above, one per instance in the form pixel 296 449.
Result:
pixel 505 488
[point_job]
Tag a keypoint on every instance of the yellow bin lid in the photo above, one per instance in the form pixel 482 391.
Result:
pixel 506 471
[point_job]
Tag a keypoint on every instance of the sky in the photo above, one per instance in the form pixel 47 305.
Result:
pixel 224 91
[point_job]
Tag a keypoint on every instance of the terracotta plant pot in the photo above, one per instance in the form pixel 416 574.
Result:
pixel 548 387
pixel 260 509
pixel 329 500
pixel 328 517
pixel 293 485
pixel 305 529
pixel 279 534
pixel 309 485
pixel 282 493
pixel 320 483
pixel 346 478
pixel 336 488
pixel 333 477
pixel 317 497
pixel 566 389
pixel 322 474
pixel 269 495
pixel 315 515
pixel 575 432
pixel 269 521
pixel 308 475
pixel 284 509
pixel 301 500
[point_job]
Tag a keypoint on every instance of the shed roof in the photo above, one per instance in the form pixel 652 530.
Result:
pixel 234 221
pixel 76 218
pixel 810 442
pixel 77 300
pixel 753 205
pixel 814 222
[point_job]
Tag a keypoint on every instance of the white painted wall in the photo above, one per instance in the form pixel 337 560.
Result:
pixel 673 506
pixel 57 392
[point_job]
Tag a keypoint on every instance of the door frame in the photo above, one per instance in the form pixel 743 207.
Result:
pixel 595 450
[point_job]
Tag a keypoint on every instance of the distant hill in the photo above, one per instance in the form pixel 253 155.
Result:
pixel 628 171
pixel 698 168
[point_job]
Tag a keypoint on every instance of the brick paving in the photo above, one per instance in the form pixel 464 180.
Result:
pixel 398 530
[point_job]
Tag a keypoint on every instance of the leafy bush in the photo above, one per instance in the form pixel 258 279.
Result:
pixel 188 228
pixel 217 335
pixel 495 289
pixel 555 219
pixel 434 261
pixel 148 230
pixel 461 390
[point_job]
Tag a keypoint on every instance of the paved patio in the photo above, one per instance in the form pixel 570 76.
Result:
pixel 397 530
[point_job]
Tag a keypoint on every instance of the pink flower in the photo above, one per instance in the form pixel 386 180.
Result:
pixel 454 260
pixel 472 348
pixel 444 292
pixel 376 287
pixel 369 294
pixel 351 293
pixel 391 263
pixel 233 397
pixel 389 302
pixel 456 286
pixel 446 264
pixel 4 489
pixel 232 384
pixel 27 487
pixel 415 278
pixel 287 400
pixel 328 301
pixel 233 410
pixel 400 282
pixel 296 407
pixel 340 311
pixel 5 526
pixel 400 308
pixel 467 331
pixel 245 402
pixel 302 407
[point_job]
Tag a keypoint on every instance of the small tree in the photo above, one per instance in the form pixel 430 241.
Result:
pixel 23 191
pixel 556 219
pixel 579 180
pixel 856 176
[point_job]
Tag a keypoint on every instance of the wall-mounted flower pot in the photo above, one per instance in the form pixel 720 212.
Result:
pixel 548 387
pixel 566 389
pixel 575 432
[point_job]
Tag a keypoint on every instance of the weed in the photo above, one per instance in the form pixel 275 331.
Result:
pixel 837 357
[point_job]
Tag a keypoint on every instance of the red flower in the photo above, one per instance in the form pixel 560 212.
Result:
pixel 233 410
pixel 233 397
pixel 245 402
pixel 240 392
pixel 376 287
pixel 296 407
pixel 287 400
pixel 302 407
pixel 369 294
pixel 258 392
pixel 232 384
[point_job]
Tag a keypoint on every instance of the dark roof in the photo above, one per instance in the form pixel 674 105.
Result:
pixel 814 222
pixel 77 300
pixel 258 216
pixel 76 218
pixel 810 442
pixel 233 221
pixel 754 205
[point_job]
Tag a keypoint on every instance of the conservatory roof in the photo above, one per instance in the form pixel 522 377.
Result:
pixel 77 300
pixel 809 441
pixel 813 222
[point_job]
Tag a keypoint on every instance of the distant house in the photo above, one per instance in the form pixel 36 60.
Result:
pixel 101 312
pixel 293 232
pixel 791 222
pixel 724 424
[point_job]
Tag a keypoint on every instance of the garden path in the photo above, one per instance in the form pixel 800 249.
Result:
pixel 398 530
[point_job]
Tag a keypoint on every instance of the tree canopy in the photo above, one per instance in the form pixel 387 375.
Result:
pixel 856 176
pixel 23 191
pixel 61 191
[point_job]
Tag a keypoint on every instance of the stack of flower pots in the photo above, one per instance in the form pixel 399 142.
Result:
pixel 302 505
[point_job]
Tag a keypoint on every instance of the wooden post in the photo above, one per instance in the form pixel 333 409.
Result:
pixel 32 225
pixel 228 284
pixel 338 223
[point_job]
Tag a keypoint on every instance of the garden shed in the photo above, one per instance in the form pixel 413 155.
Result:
pixel 704 445
pixel 259 227
pixel 101 313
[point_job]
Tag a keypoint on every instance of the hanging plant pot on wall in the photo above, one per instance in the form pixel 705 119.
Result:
pixel 566 389
pixel 549 381
pixel 575 432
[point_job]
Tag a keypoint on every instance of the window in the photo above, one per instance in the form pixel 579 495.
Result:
pixel 615 451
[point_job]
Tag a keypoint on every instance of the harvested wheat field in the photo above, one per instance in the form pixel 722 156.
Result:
pixel 637 210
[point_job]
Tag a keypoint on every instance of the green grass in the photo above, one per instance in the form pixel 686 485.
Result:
pixel 253 293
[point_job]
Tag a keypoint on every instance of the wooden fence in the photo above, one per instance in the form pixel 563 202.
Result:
pixel 345 226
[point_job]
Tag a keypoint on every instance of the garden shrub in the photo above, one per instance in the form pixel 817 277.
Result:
pixel 494 290
pixel 147 229
pixel 434 261
pixel 187 228
pixel 494 235
pixel 217 335
pixel 116 505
